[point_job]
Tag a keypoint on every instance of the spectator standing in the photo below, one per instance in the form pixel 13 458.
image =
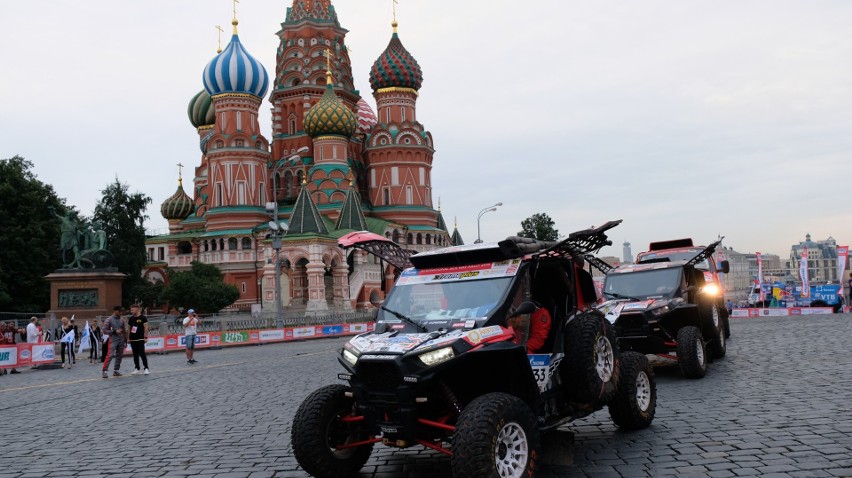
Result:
pixel 76 336
pixel 94 343
pixel 138 324
pixel 189 324
pixel 116 329
pixel 68 345
pixel 32 331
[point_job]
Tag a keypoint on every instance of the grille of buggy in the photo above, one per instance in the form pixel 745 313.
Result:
pixel 378 376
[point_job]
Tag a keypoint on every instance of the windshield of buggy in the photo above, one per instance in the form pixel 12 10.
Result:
pixel 657 283
pixel 466 292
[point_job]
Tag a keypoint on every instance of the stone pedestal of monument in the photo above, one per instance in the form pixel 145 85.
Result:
pixel 85 293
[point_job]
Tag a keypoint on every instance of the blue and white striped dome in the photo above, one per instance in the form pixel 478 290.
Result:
pixel 235 71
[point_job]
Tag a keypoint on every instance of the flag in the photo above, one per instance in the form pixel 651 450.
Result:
pixel 85 339
pixel 68 338
pixel 803 272
pixel 760 275
pixel 842 254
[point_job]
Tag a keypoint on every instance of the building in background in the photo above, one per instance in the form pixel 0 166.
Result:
pixel 627 253
pixel 331 166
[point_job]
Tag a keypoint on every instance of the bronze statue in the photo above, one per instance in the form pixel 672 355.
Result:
pixel 86 244
pixel 69 239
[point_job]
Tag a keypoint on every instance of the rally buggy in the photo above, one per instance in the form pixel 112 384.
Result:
pixel 447 367
pixel 667 308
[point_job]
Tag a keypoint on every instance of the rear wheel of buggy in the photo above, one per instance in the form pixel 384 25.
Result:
pixel 496 437
pixel 318 433
pixel 717 342
pixel 635 404
pixel 590 366
pixel 691 354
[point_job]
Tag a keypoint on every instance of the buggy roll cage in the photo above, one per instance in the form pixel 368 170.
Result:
pixel 578 245
pixel 704 254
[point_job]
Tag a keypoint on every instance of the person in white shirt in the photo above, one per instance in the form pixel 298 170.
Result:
pixel 189 324
pixel 32 331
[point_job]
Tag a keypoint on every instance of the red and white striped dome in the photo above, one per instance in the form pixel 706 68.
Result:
pixel 366 118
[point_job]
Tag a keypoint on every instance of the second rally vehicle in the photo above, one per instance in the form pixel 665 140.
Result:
pixel 447 367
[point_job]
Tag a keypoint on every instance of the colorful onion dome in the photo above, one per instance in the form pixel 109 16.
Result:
pixel 235 71
pixel 366 118
pixel 178 206
pixel 395 67
pixel 200 110
pixel 330 116
pixel 315 10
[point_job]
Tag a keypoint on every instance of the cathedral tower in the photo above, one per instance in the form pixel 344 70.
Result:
pixel 399 149
pixel 237 153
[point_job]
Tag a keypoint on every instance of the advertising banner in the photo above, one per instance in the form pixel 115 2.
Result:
pixel 842 255
pixel 22 355
pixel 803 272
pixel 760 275
pixel 19 355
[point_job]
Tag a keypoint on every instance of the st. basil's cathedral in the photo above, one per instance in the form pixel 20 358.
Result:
pixel 332 165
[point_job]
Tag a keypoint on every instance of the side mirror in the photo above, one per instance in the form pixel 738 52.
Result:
pixel 724 267
pixel 524 308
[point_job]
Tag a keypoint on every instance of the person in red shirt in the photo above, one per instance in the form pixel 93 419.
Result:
pixel 540 321
pixel 536 331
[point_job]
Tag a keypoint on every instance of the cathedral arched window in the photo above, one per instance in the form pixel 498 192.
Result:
pixel 288 185
pixel 221 244
pixel 396 236
pixel 232 244
pixel 428 238
pixel 410 238
pixel 246 243
pixel 184 247
pixel 213 244
pixel 419 238
pixel 291 124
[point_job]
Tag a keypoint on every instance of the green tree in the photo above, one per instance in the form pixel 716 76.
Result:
pixel 122 216
pixel 201 288
pixel 539 226
pixel 148 294
pixel 29 237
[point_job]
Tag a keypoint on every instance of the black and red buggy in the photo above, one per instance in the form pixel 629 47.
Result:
pixel 447 367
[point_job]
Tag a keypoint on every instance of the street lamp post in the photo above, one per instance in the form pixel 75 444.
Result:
pixel 276 232
pixel 488 209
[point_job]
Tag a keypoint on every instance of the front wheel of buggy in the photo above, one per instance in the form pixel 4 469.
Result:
pixel 496 437
pixel 635 403
pixel 691 354
pixel 319 433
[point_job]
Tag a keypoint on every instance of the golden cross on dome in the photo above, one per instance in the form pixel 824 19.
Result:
pixel 234 22
pixel 328 56
pixel 394 24
pixel 219 27
pixel 180 173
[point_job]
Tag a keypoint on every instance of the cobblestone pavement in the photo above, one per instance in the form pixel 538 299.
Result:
pixel 778 405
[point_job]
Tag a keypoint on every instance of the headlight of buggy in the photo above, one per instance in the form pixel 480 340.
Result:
pixel 710 289
pixel 349 357
pixel 660 310
pixel 437 356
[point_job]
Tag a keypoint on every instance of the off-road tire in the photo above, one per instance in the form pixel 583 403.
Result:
pixel 317 423
pixel 728 327
pixel 635 404
pixel 484 429
pixel 691 354
pixel 712 313
pixel 590 368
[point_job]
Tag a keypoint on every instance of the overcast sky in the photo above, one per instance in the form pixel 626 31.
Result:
pixel 681 117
